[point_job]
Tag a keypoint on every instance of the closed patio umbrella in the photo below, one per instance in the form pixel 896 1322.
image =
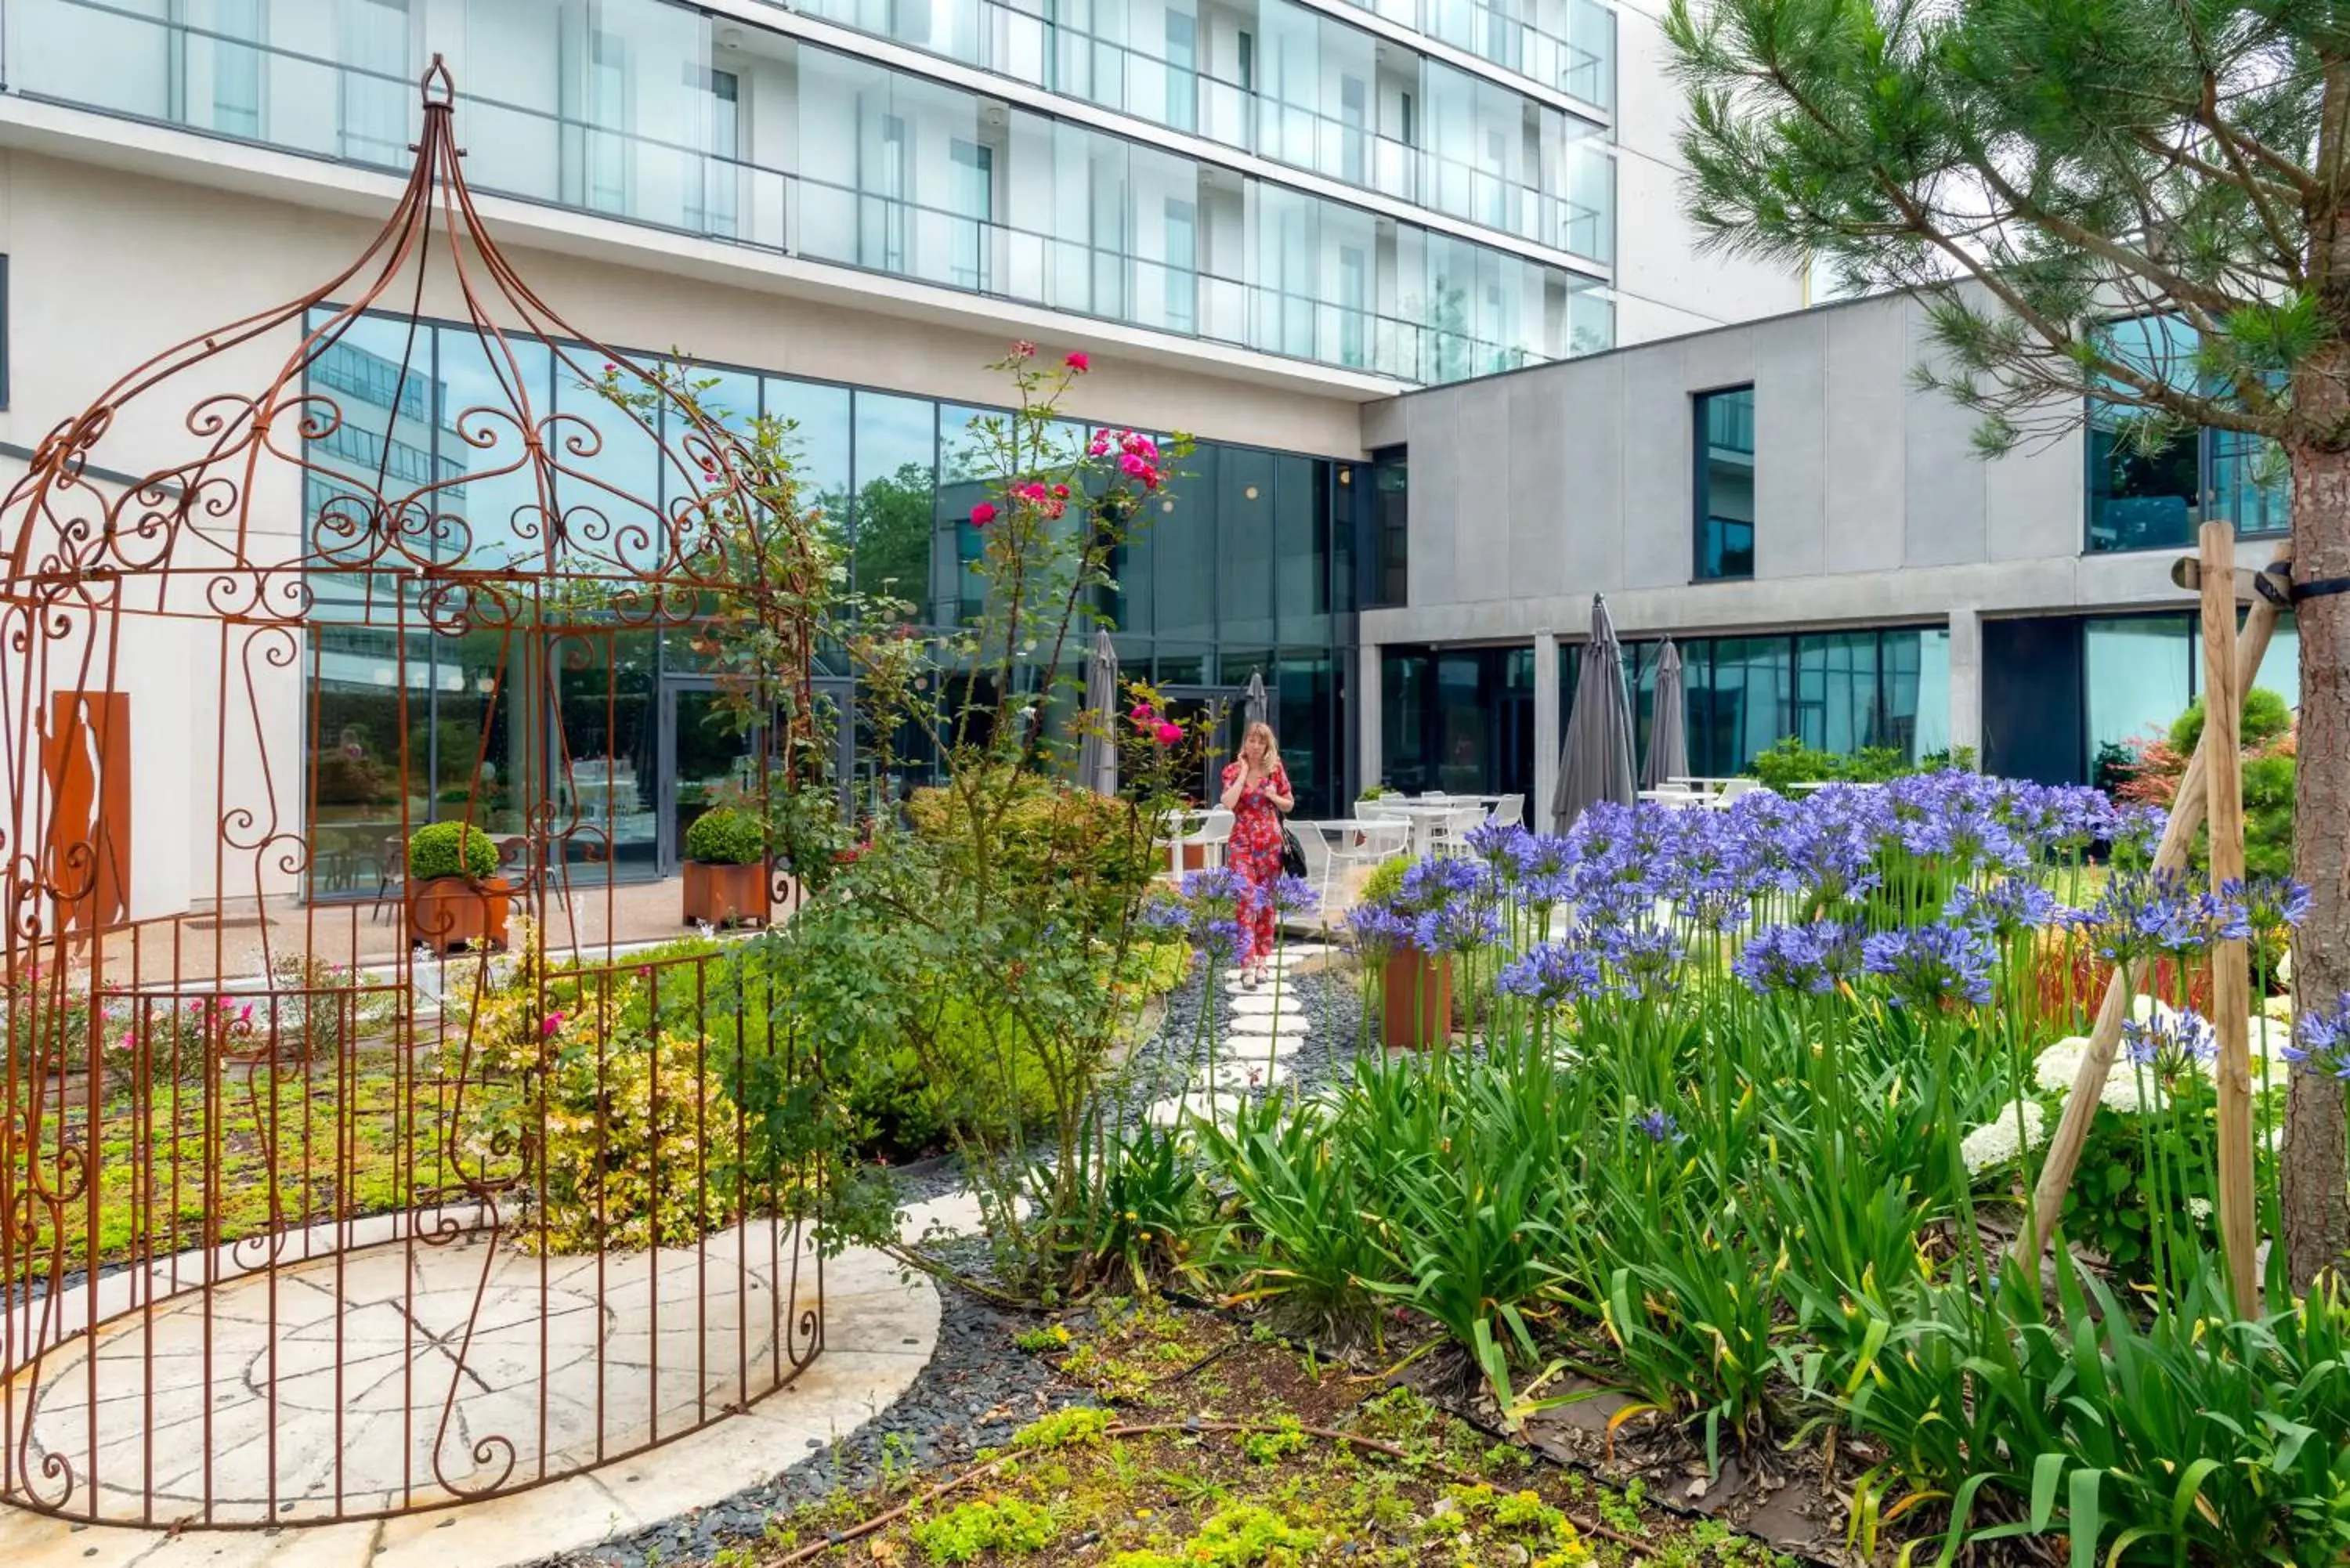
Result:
pixel 1596 763
pixel 1254 710
pixel 1098 749
pixel 1667 734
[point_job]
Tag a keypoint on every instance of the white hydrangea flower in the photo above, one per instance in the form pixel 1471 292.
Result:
pixel 1994 1143
pixel 2057 1068
pixel 2200 1208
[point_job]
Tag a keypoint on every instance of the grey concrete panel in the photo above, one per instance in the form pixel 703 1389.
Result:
pixel 1943 481
pixel 1537 492
pixel 2033 499
pixel 1436 515
pixel 1656 467
pixel 1481 532
pixel 1591 500
pixel 1868 370
pixel 1790 449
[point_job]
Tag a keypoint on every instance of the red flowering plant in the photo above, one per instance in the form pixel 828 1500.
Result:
pixel 986 932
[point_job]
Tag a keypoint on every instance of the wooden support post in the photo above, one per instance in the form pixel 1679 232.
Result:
pixel 2104 1036
pixel 2222 752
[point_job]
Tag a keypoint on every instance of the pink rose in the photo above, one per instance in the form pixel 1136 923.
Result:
pixel 1143 713
pixel 1170 733
pixel 1099 446
pixel 1150 477
pixel 1061 492
pixel 1079 364
pixel 983 514
pixel 1133 466
pixel 554 1022
pixel 1022 349
pixel 1054 508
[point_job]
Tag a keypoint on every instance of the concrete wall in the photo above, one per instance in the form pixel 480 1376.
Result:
pixel 1663 285
pixel 1530 493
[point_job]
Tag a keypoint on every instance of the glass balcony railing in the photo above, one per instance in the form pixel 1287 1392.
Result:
pixel 1301 277
pixel 1421 133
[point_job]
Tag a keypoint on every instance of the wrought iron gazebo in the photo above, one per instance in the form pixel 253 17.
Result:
pixel 309 1208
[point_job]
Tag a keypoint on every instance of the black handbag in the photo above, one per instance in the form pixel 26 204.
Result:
pixel 1293 854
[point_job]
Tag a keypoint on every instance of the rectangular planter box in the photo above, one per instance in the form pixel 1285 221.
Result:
pixel 1414 983
pixel 725 895
pixel 450 913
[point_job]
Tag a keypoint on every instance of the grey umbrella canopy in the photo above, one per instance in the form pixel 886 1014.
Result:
pixel 1254 710
pixel 1667 733
pixel 1596 763
pixel 1098 751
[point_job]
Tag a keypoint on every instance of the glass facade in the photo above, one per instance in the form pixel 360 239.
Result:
pixel 1723 428
pixel 1390 544
pixel 1248 568
pixel 642 110
pixel 2151 488
pixel 1461 720
pixel 1297 86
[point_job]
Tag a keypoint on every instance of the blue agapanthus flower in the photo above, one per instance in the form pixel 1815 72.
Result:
pixel 2144 916
pixel 1378 929
pixel 1927 966
pixel 2170 1042
pixel 1659 1125
pixel 1460 926
pixel 2007 908
pixel 1786 959
pixel 1431 884
pixel 1555 972
pixel 2271 905
pixel 1220 941
pixel 2323 1045
pixel 1644 961
pixel 1497 845
pixel 1292 895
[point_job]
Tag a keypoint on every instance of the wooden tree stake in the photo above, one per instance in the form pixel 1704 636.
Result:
pixel 2222 752
pixel 2177 835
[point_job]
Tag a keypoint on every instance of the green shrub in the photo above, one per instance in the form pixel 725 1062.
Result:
pixel 726 836
pixel 451 849
pixel 1051 835
pixel 972 1529
pixel 1386 879
pixel 2265 716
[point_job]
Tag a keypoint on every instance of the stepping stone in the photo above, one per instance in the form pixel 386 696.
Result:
pixel 1264 1005
pixel 1240 1074
pixel 1198 1108
pixel 1259 1047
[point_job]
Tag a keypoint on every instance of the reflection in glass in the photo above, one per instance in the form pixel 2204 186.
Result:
pixel 2140 674
pixel 1725 484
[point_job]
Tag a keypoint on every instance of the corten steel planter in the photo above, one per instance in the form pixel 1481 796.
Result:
pixel 725 895
pixel 1412 982
pixel 454 914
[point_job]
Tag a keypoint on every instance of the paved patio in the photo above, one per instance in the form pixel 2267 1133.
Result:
pixel 628 1358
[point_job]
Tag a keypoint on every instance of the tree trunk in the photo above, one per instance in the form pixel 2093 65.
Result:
pixel 2316 1213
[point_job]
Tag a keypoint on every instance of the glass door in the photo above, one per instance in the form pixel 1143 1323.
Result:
pixel 703 755
pixel 1217 715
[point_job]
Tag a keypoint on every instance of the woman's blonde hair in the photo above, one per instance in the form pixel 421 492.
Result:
pixel 1272 746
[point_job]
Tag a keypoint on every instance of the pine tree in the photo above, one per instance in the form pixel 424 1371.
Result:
pixel 2140 203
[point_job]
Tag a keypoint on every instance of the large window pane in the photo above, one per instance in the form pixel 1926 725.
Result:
pixel 1739 706
pixel 1245 504
pixel 2140 676
pixel 896 481
pixel 1835 691
pixel 1725 484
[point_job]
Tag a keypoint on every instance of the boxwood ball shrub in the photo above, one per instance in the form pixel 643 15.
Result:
pixel 451 849
pixel 726 836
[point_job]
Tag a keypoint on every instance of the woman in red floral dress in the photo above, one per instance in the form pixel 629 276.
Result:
pixel 1256 791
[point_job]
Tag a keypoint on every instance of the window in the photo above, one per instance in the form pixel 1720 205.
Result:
pixel 715 102
pixel 1247 44
pixel 886 219
pixel 1407 122
pixel 1354 117
pixel 374 83
pixel 1353 292
pixel 607 123
pixel 2148 494
pixel 1183 262
pixel 236 68
pixel 1725 484
pixel 1182 60
pixel 974 198
pixel 1390 528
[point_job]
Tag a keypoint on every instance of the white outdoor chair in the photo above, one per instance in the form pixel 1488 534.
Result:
pixel 1386 806
pixel 1509 811
pixel 1361 843
pixel 1450 835
pixel 1732 788
pixel 1208 830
